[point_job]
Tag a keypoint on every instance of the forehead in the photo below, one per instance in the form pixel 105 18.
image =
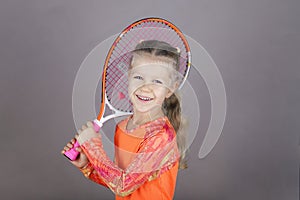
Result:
pixel 152 70
pixel 147 59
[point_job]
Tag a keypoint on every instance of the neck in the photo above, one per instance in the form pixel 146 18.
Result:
pixel 139 118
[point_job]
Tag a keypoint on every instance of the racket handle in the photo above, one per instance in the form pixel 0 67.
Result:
pixel 72 154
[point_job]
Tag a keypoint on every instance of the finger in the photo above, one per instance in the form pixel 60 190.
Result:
pixel 76 136
pixel 66 148
pixel 90 124
pixel 79 149
pixel 73 140
pixel 70 145
pixel 83 127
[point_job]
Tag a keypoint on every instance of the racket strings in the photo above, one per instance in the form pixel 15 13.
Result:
pixel 173 38
pixel 117 84
pixel 116 72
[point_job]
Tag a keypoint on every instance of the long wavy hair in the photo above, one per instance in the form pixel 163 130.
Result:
pixel 171 106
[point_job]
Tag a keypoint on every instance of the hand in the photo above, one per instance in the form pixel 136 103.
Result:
pixel 82 159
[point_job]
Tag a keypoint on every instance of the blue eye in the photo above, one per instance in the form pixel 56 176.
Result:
pixel 138 77
pixel 158 81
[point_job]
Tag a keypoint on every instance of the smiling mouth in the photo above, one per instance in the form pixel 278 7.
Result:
pixel 143 98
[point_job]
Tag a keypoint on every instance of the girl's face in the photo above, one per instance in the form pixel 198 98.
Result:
pixel 150 82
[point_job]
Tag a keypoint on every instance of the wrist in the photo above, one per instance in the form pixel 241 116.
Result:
pixel 87 169
pixel 84 166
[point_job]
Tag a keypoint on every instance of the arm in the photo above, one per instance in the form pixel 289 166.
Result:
pixel 89 172
pixel 156 154
pixel 82 162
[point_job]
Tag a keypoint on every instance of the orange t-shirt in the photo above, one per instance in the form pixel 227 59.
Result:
pixel 128 142
pixel 146 161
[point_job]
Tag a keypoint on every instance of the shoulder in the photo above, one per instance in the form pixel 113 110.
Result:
pixel 160 128
pixel 160 137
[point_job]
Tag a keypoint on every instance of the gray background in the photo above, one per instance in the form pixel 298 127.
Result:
pixel 255 44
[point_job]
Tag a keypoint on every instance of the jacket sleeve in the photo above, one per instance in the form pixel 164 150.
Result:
pixel 89 172
pixel 156 154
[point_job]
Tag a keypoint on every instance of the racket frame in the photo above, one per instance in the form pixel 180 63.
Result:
pixel 116 113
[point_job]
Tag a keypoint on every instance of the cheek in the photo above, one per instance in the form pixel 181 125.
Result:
pixel 130 89
pixel 161 94
pixel 134 85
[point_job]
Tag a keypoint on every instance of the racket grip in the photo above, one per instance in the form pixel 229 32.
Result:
pixel 96 127
pixel 72 154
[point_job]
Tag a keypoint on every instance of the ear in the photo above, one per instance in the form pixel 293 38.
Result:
pixel 170 92
pixel 172 89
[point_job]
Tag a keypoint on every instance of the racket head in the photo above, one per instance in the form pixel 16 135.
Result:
pixel 114 81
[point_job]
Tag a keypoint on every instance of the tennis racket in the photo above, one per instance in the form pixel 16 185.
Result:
pixel 114 85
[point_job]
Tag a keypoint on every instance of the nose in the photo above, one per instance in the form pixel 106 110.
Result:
pixel 146 87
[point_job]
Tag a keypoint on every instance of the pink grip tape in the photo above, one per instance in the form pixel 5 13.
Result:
pixel 72 154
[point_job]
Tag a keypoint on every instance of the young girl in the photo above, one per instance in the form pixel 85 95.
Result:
pixel 149 146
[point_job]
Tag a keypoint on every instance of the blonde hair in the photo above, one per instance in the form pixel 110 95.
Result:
pixel 171 106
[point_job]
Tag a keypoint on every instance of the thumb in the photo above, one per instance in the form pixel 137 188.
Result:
pixel 79 149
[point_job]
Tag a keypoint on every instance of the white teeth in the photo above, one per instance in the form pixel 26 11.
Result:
pixel 144 98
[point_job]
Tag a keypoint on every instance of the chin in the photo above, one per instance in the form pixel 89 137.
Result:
pixel 143 110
